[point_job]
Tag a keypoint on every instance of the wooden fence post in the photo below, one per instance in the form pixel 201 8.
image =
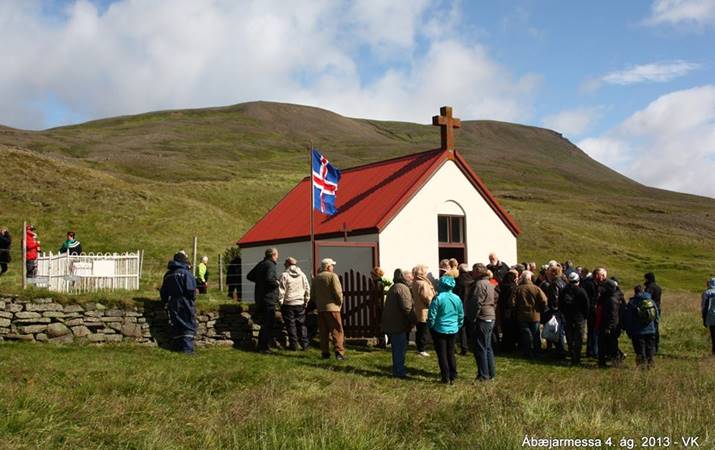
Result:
pixel 23 249
pixel 220 272
pixel 193 256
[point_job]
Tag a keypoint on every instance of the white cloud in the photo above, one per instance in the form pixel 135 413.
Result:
pixel 643 73
pixel 143 55
pixel 675 12
pixel 573 122
pixel 668 144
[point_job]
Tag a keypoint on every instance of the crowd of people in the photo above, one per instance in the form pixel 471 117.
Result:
pixel 485 308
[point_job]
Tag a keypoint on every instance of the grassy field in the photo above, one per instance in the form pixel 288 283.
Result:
pixel 137 397
pixel 152 181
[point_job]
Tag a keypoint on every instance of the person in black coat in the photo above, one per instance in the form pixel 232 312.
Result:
pixel 464 283
pixel 178 292
pixel 265 275
pixel 5 242
pixel 498 268
pixel 574 305
pixel 608 318
pixel 655 294
pixel 506 314
pixel 591 287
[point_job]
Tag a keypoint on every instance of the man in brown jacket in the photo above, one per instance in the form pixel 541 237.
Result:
pixel 327 295
pixel 529 301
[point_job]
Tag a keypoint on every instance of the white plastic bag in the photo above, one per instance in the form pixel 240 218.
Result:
pixel 551 330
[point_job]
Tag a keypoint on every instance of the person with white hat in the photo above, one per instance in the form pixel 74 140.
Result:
pixel 327 295
pixel 574 305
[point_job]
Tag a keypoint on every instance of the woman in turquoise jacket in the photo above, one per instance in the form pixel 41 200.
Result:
pixel 445 318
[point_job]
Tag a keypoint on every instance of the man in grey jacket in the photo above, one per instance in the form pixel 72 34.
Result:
pixel 293 295
pixel 481 311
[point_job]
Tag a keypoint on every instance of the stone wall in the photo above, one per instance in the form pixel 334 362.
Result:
pixel 44 320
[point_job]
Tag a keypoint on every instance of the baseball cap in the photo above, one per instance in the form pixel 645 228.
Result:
pixel 573 277
pixel 328 262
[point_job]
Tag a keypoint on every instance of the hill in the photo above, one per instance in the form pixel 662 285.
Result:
pixel 154 180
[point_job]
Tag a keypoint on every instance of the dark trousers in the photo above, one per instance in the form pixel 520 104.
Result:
pixel 463 340
pixel 294 318
pixel 484 354
pixel 712 337
pixel 3 268
pixel 607 347
pixel 529 338
pixel 592 338
pixel 421 336
pixel 398 343
pixel 644 347
pixel 31 268
pixel 510 335
pixel 201 287
pixel 444 347
pixel 574 337
pixel 268 322
pixel 184 344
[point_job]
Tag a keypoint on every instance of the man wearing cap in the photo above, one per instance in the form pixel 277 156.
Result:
pixel 574 305
pixel 265 275
pixel 178 291
pixel 327 295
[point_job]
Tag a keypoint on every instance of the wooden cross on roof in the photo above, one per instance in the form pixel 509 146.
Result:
pixel 446 123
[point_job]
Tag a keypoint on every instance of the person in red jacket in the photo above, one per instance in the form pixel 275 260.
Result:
pixel 33 248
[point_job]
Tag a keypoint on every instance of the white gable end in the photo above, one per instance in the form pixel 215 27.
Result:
pixel 411 238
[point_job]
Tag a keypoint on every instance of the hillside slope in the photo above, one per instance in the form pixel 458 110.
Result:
pixel 153 180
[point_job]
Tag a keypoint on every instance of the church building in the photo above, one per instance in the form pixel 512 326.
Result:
pixel 397 213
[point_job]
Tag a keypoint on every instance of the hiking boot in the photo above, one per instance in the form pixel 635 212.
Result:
pixel 423 354
pixel 340 357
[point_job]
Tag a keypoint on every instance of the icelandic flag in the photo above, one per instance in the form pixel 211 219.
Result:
pixel 325 184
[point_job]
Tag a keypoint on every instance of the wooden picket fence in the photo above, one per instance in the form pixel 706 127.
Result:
pixel 362 305
pixel 88 272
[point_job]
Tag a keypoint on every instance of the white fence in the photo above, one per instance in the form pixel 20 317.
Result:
pixel 88 272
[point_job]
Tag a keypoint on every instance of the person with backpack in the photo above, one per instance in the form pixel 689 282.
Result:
pixel 656 293
pixel 574 305
pixel 640 316
pixel 708 310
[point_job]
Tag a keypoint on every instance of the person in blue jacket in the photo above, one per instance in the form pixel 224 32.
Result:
pixel 640 327
pixel 178 291
pixel 445 318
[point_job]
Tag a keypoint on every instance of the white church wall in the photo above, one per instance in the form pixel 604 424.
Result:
pixel 346 259
pixel 411 237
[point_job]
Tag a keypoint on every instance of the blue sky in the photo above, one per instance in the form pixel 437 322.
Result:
pixel 632 82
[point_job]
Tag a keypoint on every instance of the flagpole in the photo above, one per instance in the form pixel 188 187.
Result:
pixel 312 200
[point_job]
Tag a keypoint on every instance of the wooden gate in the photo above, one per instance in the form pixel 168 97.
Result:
pixel 362 306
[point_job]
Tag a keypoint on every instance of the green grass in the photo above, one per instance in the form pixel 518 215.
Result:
pixel 138 397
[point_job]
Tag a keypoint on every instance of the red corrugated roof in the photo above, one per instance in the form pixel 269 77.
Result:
pixel 368 198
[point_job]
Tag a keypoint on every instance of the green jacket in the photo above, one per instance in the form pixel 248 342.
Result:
pixel 203 273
